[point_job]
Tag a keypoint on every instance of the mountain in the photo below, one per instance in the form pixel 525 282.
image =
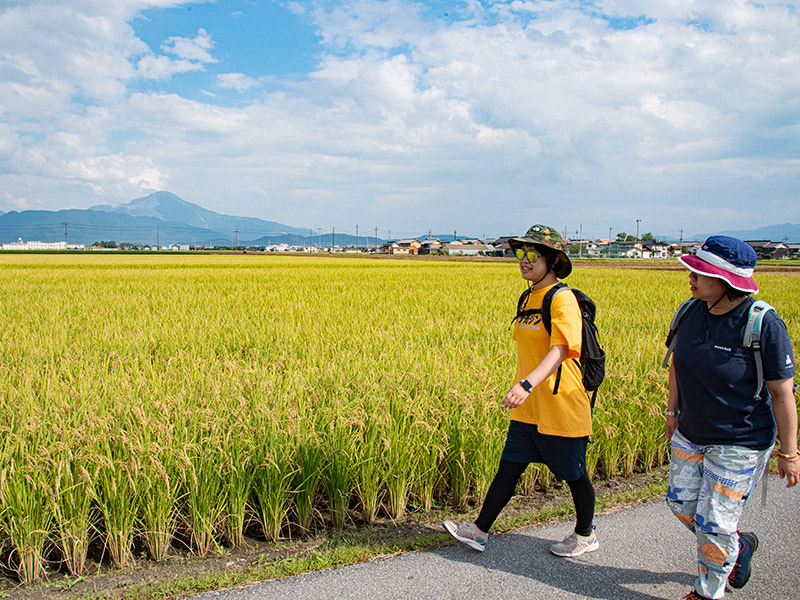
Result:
pixel 89 226
pixel 787 232
pixel 161 217
pixel 169 207
pixel 327 239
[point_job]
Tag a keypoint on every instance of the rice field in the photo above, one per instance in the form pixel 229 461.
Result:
pixel 149 401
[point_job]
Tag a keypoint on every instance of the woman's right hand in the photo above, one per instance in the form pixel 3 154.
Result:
pixel 514 397
pixel 670 426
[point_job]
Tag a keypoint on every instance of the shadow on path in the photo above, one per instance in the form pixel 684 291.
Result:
pixel 529 556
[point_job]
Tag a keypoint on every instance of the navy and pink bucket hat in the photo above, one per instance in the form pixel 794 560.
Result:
pixel 725 258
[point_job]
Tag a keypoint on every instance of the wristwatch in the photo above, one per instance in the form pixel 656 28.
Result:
pixel 526 385
pixel 671 413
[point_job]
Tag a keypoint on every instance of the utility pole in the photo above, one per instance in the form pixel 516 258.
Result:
pixel 454 235
pixel 319 230
pixel 356 237
pixel 376 240
pixel 609 235
pixel 580 243
pixel 637 228
pixel 158 240
pixel 236 238
pixel 65 234
pixel 333 239
pixel 310 238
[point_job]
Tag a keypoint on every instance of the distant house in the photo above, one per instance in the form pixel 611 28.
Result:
pixel 407 247
pixel 767 249
pixel 20 245
pixel 501 245
pixel 619 249
pixel 461 249
pixel 594 249
pixel 430 246
pixel 692 247
pixel 655 249
pixel 793 250
pixel 582 246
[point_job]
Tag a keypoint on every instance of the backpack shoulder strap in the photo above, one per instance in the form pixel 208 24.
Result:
pixel 520 303
pixel 673 329
pixel 752 338
pixel 547 302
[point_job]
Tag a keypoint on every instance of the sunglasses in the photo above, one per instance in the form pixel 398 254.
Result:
pixel 532 255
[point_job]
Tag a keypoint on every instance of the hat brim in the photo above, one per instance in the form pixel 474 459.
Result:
pixel 701 267
pixel 562 268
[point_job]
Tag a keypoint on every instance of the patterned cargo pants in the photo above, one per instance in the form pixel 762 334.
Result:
pixel 708 487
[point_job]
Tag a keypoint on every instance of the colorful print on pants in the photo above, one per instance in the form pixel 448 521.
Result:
pixel 708 487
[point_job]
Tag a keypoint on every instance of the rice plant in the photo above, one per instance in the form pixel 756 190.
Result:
pixel 115 473
pixel 72 503
pixel 203 391
pixel 274 472
pixel 368 471
pixel 337 473
pixel 308 460
pixel 25 498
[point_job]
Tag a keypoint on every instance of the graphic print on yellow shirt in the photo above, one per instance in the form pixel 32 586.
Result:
pixel 568 413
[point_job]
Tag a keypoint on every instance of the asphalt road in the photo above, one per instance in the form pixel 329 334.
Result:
pixel 644 554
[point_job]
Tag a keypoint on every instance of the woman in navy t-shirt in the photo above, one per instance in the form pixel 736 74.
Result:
pixel 722 429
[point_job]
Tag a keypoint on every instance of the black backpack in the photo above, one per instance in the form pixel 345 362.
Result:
pixel 593 358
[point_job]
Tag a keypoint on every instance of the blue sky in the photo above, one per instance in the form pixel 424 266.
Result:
pixel 476 117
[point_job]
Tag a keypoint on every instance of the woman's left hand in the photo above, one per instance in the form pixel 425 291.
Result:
pixel 514 397
pixel 789 471
pixel 785 410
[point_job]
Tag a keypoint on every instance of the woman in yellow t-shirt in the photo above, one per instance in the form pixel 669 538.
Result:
pixel 551 415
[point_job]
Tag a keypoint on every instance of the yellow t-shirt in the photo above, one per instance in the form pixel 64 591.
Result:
pixel 567 413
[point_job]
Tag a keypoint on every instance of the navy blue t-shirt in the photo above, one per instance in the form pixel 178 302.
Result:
pixel 717 378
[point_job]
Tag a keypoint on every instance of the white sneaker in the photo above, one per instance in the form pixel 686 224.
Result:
pixel 468 534
pixel 575 545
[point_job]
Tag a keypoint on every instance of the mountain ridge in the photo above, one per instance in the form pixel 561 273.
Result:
pixel 788 232
pixel 161 217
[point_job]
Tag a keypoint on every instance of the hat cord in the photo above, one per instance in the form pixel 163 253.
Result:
pixel 705 321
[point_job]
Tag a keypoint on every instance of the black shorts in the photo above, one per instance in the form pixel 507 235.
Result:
pixel 564 456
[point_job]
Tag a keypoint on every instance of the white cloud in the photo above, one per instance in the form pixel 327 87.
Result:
pixel 194 49
pixel 193 55
pixel 125 172
pixel 236 81
pixel 163 67
pixel 519 111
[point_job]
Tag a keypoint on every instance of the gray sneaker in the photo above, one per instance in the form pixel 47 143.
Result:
pixel 468 534
pixel 575 545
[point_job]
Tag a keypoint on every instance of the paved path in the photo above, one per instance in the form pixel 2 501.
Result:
pixel 644 554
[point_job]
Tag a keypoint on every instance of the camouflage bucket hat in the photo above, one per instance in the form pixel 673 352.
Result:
pixel 542 236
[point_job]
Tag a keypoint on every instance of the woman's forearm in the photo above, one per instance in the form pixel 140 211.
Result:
pixel 785 411
pixel 548 365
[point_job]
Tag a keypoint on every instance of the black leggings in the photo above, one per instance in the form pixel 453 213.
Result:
pixel 505 484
